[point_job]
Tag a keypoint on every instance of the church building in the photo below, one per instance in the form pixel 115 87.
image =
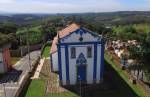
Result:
pixel 77 54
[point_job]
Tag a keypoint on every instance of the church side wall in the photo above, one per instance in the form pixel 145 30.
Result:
pixel 63 63
pixel 98 63
pixel 55 61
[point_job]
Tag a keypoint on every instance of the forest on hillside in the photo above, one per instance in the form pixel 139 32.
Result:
pixel 12 26
pixel 44 26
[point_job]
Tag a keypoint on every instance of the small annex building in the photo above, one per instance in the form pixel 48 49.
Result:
pixel 77 54
pixel 5 64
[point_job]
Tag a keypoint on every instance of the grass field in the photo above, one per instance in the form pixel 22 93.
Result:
pixel 46 52
pixel 37 88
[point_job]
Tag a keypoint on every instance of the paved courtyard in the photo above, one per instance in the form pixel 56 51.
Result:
pixel 11 81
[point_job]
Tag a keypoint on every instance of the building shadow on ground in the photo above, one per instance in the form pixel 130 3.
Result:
pixel 112 86
pixel 11 77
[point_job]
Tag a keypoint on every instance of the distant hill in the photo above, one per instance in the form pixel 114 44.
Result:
pixel 113 18
pixel 124 17
pixel 20 19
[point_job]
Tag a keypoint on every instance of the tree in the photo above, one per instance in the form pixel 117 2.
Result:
pixel 135 54
pixel 49 32
pixel 6 38
pixel 8 28
pixel 141 55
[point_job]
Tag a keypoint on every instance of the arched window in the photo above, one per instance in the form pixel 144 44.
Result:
pixel 73 52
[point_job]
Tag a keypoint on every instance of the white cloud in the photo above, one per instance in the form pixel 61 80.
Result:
pixel 6 1
pixel 40 6
pixel 45 7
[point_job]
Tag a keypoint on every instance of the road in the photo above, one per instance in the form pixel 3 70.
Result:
pixel 10 83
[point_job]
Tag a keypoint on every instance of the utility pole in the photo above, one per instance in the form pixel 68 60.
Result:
pixel 4 90
pixel 80 89
pixel 28 46
pixel 80 85
pixel 21 44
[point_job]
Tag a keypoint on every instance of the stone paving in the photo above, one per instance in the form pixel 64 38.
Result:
pixel 51 78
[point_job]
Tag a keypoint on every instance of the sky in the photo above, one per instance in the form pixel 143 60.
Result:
pixel 72 6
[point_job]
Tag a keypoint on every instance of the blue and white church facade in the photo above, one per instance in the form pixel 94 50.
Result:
pixel 79 56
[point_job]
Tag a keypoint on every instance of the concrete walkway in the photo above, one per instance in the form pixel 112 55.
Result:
pixel 38 70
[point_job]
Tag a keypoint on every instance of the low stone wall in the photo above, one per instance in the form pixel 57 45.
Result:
pixel 26 80
pixel 24 50
pixel 15 53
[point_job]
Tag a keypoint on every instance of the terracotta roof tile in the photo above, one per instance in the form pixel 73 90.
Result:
pixel 62 34
pixel 54 46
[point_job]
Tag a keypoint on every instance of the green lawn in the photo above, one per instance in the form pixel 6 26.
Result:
pixel 122 74
pixel 37 89
pixel 46 52
pixel 37 86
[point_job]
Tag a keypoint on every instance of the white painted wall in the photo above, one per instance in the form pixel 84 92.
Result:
pixel 72 64
pixel 80 49
pixel 55 61
pixel 2 70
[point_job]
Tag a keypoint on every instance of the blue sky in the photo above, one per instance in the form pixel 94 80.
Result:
pixel 72 6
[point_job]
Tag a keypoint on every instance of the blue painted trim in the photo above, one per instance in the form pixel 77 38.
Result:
pixel 91 32
pixel 67 36
pixel 81 60
pixel 59 62
pixel 51 61
pixel 95 61
pixel 80 43
pixel 67 62
pixel 102 62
